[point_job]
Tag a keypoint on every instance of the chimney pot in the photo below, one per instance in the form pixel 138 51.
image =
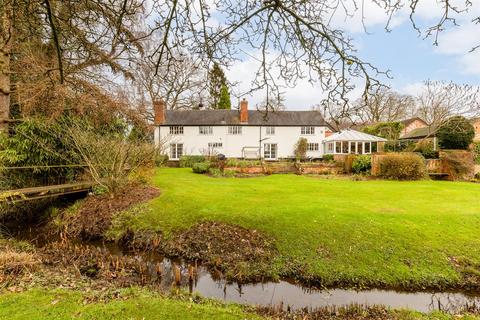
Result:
pixel 244 111
pixel 159 112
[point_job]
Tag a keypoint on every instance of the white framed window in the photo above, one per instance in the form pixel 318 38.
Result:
pixel 215 145
pixel 270 131
pixel 308 130
pixel 270 151
pixel 236 130
pixel 353 147
pixel 368 147
pixel 176 130
pixel 176 151
pixel 345 147
pixel 330 147
pixel 312 146
pixel 205 130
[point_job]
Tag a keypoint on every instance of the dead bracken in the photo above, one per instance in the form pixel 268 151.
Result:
pixel 240 251
pixel 95 215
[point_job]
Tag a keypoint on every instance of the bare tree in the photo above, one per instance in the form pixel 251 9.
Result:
pixel 440 100
pixel 385 106
pixel 274 103
pixel 182 84
pixel 295 37
pixel 339 116
pixel 80 40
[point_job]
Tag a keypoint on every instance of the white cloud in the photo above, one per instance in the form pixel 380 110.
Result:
pixel 412 89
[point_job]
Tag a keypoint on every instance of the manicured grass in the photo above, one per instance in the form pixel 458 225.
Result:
pixel 65 304
pixel 384 233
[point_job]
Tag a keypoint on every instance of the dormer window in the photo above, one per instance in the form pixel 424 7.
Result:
pixel 176 130
pixel 235 130
pixel 205 130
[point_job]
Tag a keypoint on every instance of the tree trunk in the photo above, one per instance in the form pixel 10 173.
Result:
pixel 5 45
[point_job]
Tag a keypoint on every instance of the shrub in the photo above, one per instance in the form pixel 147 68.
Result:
pixel 476 152
pixel 328 157
pixel 232 162
pixel 459 164
pixel 301 149
pixel 160 159
pixel 215 172
pixel 402 166
pixel 456 133
pixel 229 173
pixel 399 146
pixel 201 167
pixel 387 130
pixel 362 164
pixel 189 161
pixel 425 147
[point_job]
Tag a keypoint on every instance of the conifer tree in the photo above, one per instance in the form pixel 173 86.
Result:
pixel 218 86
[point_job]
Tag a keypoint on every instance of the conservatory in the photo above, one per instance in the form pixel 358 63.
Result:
pixel 352 142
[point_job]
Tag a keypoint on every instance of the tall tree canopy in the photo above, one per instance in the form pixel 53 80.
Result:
pixel 218 88
pixel 224 102
pixel 55 54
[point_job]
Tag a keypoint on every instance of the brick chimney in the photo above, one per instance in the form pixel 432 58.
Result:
pixel 159 112
pixel 244 111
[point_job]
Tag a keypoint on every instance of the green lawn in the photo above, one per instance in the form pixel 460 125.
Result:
pixel 382 233
pixel 67 304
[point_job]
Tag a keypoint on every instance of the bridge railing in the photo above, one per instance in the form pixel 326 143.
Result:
pixel 35 176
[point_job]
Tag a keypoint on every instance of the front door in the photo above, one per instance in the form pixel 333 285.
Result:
pixel 270 151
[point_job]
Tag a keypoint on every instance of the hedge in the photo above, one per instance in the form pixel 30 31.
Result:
pixel 402 166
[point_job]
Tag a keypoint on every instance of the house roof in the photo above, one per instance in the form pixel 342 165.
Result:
pixel 406 122
pixel 232 117
pixel 353 135
pixel 474 120
pixel 419 133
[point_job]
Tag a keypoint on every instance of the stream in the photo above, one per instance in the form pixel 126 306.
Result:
pixel 285 294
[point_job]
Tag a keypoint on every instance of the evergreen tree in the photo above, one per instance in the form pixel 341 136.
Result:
pixel 218 82
pixel 224 102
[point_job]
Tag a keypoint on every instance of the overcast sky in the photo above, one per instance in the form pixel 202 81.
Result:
pixel 410 58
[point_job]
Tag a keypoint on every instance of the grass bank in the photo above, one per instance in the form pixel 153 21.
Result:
pixel 68 304
pixel 141 304
pixel 410 235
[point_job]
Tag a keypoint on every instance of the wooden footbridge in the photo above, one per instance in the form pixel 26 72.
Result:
pixel 53 186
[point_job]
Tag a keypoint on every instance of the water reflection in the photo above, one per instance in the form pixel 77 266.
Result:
pixel 293 296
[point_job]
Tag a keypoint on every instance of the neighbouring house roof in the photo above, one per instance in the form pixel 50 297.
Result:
pixel 232 117
pixel 419 133
pixel 407 122
pixel 353 135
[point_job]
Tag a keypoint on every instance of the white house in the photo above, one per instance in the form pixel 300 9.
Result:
pixel 243 133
